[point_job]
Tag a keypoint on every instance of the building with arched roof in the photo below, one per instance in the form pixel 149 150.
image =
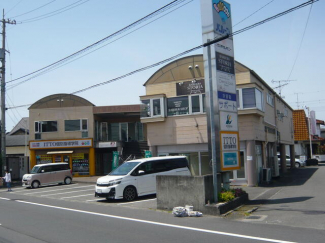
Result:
pixel 174 112
pixel 92 139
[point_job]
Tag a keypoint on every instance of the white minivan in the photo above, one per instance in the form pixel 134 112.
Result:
pixel 138 177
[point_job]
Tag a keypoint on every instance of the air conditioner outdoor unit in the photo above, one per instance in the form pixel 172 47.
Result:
pixel 267 174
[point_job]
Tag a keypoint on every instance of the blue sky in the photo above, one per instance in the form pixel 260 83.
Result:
pixel 270 49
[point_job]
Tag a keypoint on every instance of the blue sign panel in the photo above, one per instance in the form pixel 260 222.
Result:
pixel 226 96
pixel 230 159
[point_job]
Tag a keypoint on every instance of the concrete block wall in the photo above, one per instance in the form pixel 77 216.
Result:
pixel 173 191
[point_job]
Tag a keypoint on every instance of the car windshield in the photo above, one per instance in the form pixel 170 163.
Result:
pixel 35 170
pixel 124 169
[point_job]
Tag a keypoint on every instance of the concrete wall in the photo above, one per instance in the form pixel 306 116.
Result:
pixel 173 191
pixel 17 150
pixel 178 130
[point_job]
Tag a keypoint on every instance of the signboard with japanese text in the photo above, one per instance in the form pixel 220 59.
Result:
pixel 190 87
pixel 82 143
pixel 227 101
pixel 230 161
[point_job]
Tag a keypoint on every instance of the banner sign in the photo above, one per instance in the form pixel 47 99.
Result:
pixel 229 141
pixel 190 87
pixel 115 160
pixel 228 121
pixel 230 161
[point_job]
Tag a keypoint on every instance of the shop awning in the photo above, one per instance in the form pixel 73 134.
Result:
pixel 60 152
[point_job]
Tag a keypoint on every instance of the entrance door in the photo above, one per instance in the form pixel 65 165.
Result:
pixel 238 177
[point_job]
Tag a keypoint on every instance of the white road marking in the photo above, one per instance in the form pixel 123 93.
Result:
pixel 62 189
pixel 96 200
pixel 79 196
pixel 160 224
pixel 66 192
pixel 137 201
pixel 2 198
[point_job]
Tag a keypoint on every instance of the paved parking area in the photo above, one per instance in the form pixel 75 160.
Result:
pixel 80 192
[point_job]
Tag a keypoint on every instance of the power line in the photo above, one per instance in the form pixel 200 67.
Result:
pixel 193 49
pixel 253 13
pixel 56 12
pixel 303 35
pixel 33 9
pixel 66 63
pixel 130 26
pixel 13 7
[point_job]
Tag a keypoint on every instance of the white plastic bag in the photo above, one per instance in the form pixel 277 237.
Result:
pixel 180 212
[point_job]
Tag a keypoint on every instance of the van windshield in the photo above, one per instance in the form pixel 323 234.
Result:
pixel 35 170
pixel 124 169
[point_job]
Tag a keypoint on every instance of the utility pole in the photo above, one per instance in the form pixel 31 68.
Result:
pixel 297 99
pixel 3 92
pixel 309 129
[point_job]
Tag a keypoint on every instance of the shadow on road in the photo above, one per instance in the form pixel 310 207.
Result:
pixel 278 201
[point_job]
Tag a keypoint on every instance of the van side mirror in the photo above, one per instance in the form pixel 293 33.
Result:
pixel 140 172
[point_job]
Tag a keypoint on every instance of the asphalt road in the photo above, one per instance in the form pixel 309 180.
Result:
pixel 68 214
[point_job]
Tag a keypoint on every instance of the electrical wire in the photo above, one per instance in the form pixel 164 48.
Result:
pixel 149 16
pixel 13 7
pixel 253 13
pixel 303 35
pixel 56 12
pixel 33 10
pixel 193 49
pixel 66 63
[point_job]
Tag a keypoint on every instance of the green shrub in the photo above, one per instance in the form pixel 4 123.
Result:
pixel 226 196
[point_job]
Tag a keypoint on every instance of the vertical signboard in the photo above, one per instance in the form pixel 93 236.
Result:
pixel 216 23
pixel 115 160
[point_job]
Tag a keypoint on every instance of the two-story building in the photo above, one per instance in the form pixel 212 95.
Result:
pixel 68 128
pixel 174 111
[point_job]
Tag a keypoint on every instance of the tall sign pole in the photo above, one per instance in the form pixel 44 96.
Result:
pixel 3 92
pixel 221 98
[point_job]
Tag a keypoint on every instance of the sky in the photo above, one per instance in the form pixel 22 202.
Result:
pixel 288 48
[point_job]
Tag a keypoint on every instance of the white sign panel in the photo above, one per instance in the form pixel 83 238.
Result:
pixel 226 82
pixel 107 145
pixel 228 121
pixel 225 47
pixel 86 143
pixel 229 141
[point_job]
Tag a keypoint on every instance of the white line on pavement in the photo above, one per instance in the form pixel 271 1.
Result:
pixel 160 224
pixel 67 192
pixel 2 198
pixel 62 189
pixel 78 196
pixel 137 201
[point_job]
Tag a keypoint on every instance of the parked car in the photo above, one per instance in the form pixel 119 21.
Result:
pixel 298 163
pixel 138 177
pixel 46 174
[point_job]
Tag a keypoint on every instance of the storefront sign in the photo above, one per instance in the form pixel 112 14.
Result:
pixel 177 106
pixel 229 141
pixel 190 87
pixel 225 47
pixel 225 63
pixel 85 143
pixel 107 145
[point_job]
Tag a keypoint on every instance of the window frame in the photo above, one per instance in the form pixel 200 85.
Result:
pixel 240 102
pixel 40 129
pixel 151 107
pixel 80 125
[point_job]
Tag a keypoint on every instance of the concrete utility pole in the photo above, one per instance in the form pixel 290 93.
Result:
pixel 3 91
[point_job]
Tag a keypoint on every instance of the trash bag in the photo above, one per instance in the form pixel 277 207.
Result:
pixel 180 212
pixel 195 214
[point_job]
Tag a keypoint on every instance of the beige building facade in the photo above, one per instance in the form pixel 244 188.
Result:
pixel 173 110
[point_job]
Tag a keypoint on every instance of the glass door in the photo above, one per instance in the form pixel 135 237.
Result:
pixel 238 177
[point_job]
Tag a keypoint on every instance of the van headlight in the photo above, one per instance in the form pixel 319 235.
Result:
pixel 115 182
pixel 27 177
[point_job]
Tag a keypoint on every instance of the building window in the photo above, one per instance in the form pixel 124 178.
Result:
pixel 76 125
pixel 250 98
pixel 270 99
pixel 46 126
pixel 152 108
pixel 177 106
pixel 195 104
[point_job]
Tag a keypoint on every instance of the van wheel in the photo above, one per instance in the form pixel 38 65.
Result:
pixel 67 180
pixel 35 184
pixel 297 165
pixel 130 193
